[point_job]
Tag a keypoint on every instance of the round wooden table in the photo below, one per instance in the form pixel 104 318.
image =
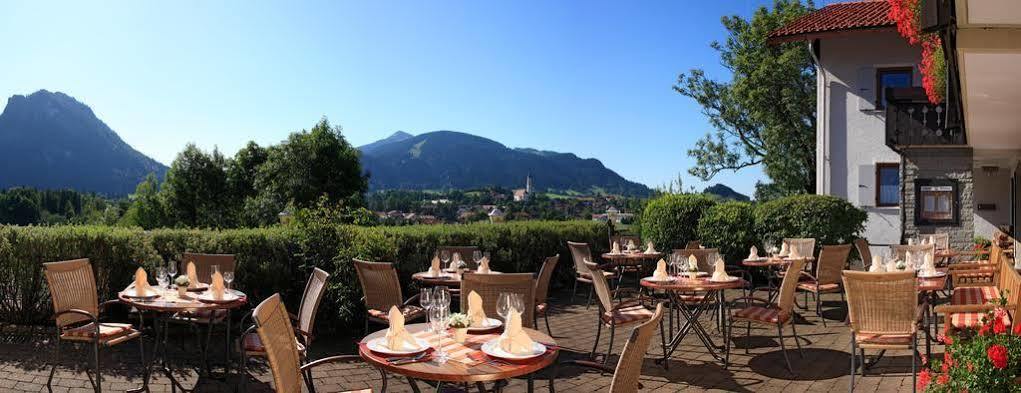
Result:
pixel 166 306
pixel 445 278
pixel 466 362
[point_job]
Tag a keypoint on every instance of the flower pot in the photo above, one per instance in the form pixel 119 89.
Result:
pixel 460 334
pixel 182 292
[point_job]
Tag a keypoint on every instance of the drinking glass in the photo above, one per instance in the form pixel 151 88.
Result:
pixel 438 322
pixel 477 256
pixel 445 257
pixel 172 271
pixel 517 302
pixel 442 296
pixel 228 277
pixel 161 277
pixel 503 304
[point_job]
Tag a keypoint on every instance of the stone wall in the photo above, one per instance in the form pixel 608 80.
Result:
pixel 940 163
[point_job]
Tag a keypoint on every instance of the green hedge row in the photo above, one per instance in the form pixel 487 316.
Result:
pixel 275 259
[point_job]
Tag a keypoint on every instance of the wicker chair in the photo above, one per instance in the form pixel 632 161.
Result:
pixel 940 240
pixel 251 344
pixel 804 245
pixel 77 309
pixel 864 252
pixel 273 325
pixel 883 311
pixel 900 251
pixel 693 244
pixel 581 254
pixel 779 314
pixel 490 286
pixel 629 366
pixel 832 260
pixel 382 290
pixel 615 315
pixel 208 318
pixel 542 290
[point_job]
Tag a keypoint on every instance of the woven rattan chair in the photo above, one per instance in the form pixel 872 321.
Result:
pixel 581 254
pixel 768 314
pixel 940 240
pixel 804 245
pixel 205 318
pixel 490 286
pixel 629 367
pixel 542 283
pixel 382 290
pixel 615 315
pixel 466 253
pixel 864 252
pixel 273 325
pixel 693 244
pixel 76 309
pixel 899 251
pixel 304 322
pixel 832 260
pixel 883 311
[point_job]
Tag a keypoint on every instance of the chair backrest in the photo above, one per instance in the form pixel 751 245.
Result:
pixel 1010 282
pixel 881 303
pixel 490 286
pixel 899 251
pixel 832 260
pixel 940 240
pixel 601 287
pixel 310 300
pixel 204 264
pixel 580 253
pixel 623 239
pixel 693 245
pixel 545 274
pixel 785 302
pixel 706 257
pixel 864 252
pixel 274 329
pixel 804 245
pixel 72 286
pixel 629 365
pixel 380 285
pixel 466 253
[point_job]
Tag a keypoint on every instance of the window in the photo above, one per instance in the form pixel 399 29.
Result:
pixel 887 184
pixel 890 77
pixel 936 202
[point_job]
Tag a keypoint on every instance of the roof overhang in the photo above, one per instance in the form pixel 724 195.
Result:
pixel 776 40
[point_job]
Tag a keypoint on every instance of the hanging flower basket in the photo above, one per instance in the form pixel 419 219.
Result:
pixel 907 14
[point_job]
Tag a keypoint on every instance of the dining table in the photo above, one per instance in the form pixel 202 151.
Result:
pixel 771 267
pixel 466 363
pixel 680 291
pixel 166 304
pixel 640 262
pixel 446 278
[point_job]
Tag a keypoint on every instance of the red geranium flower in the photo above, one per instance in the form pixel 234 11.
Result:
pixel 997 355
pixel 1017 329
pixel 942 379
pixel 923 379
pixel 945 339
pixel 999 327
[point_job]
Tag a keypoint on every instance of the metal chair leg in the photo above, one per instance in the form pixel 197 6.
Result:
pixel 914 367
pixel 99 376
pixel 574 291
pixel 609 349
pixel 56 359
pixel 854 355
pixel 599 331
pixel 818 307
pixel 546 318
pixel 588 303
pixel 794 328
pixel 748 333
pixel 779 330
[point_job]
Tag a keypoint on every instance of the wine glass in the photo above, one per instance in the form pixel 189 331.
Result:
pixel 442 296
pixel 438 322
pixel 517 302
pixel 161 277
pixel 477 257
pixel 228 277
pixel 445 257
pixel 503 304
pixel 171 271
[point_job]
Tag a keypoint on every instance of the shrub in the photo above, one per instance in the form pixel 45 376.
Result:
pixel 670 221
pixel 830 220
pixel 730 227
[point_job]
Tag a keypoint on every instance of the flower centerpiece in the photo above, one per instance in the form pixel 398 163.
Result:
pixel 460 323
pixel 182 283
pixel 986 360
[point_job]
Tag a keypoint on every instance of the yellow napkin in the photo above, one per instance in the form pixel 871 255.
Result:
pixel 928 266
pixel 397 337
pixel 455 262
pixel 434 268
pixel 649 249
pixel 783 249
pixel 475 312
pixel 877 265
pixel 141 282
pixel 720 273
pixel 217 286
pixel 660 273
pixel 753 253
pixel 484 266
pixel 193 279
pixel 692 263
pixel 630 245
pixel 615 249
pixel 514 340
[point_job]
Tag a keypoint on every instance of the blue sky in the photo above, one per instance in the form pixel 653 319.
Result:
pixel 592 78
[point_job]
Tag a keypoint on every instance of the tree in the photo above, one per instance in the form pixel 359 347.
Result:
pixel 18 206
pixel 252 210
pixel 147 209
pixel 766 113
pixel 195 190
pixel 311 164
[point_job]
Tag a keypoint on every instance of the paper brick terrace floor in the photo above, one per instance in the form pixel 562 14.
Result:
pixel 25 357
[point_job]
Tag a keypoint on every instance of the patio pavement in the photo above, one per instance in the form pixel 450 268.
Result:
pixel 25 355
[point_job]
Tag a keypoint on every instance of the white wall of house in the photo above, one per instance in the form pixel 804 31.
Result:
pixel 850 131
pixel 992 184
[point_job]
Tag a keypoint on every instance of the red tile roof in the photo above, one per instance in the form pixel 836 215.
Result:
pixel 836 17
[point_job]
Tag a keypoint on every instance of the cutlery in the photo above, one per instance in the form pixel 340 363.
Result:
pixel 407 360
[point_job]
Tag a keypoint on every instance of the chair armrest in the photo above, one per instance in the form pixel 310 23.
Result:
pixel 412 300
pixel 92 318
pixel 626 304
pixel 750 299
pixel 331 359
pixel 810 276
pixel 958 308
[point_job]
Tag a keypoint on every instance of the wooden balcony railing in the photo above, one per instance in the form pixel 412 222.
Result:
pixel 911 120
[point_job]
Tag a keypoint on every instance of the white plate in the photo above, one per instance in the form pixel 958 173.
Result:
pixel 731 279
pixel 207 297
pixel 756 259
pixel 133 293
pixel 491 323
pixel 199 287
pixel 378 345
pixel 937 274
pixel 492 348
pixel 654 279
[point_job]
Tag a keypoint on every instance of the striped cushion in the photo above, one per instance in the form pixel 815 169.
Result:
pixel 813 287
pixel 969 320
pixel 761 314
pixel 409 311
pixel 627 315
pixel 106 331
pixel 974 295
pixel 883 339
pixel 253 343
pixel 975 278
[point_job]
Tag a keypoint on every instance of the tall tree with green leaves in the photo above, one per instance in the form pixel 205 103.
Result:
pixel 766 113
pixel 196 192
pixel 147 209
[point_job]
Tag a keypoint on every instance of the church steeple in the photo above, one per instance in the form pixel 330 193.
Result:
pixel 528 183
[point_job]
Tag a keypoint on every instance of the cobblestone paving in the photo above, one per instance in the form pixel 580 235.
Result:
pixel 25 357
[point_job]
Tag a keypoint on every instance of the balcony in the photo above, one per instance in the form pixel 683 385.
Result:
pixel 911 120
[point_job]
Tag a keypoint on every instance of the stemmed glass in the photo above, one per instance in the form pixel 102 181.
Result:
pixel 442 297
pixel 503 304
pixel 228 277
pixel 675 262
pixel 438 322
pixel 477 256
pixel 427 301
pixel 445 258
pixel 161 277
pixel 171 272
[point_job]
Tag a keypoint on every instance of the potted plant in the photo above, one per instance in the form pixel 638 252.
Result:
pixel 460 323
pixel 182 283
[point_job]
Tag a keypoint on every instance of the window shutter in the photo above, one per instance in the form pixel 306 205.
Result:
pixel 866 88
pixel 866 185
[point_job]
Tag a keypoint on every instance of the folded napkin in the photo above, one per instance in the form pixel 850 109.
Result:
pixel 909 258
pixel 793 253
pixel 911 241
pixel 475 312
pixel 397 337
pixel 141 282
pixel 692 263
pixel 514 340
pixel 434 267
pixel 455 262
pixel 650 249
pixel 193 279
pixel 660 273
pixel 928 265
pixel 783 249
pixel 630 245
pixel 753 253
pixel 216 286
pixel 720 273
pixel 615 249
pixel 483 266
pixel 877 265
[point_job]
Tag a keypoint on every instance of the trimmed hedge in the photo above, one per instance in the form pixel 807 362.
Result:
pixel 277 259
pixel 670 221
pixel 729 226
pixel 830 220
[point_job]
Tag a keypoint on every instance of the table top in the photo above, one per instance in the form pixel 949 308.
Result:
pixel 933 284
pixel 699 284
pixel 771 261
pixel 466 363
pixel 169 301
pixel 445 278
pixel 632 256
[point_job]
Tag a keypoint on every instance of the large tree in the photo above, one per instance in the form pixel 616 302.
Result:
pixel 196 192
pixel 766 113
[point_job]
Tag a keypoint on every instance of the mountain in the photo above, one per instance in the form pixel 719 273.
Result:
pixel 50 140
pixel 456 160
pixel 726 192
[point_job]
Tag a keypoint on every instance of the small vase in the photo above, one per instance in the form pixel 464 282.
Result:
pixel 692 275
pixel 182 292
pixel 460 335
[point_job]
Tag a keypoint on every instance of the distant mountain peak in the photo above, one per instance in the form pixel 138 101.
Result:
pixel 395 137
pixel 726 192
